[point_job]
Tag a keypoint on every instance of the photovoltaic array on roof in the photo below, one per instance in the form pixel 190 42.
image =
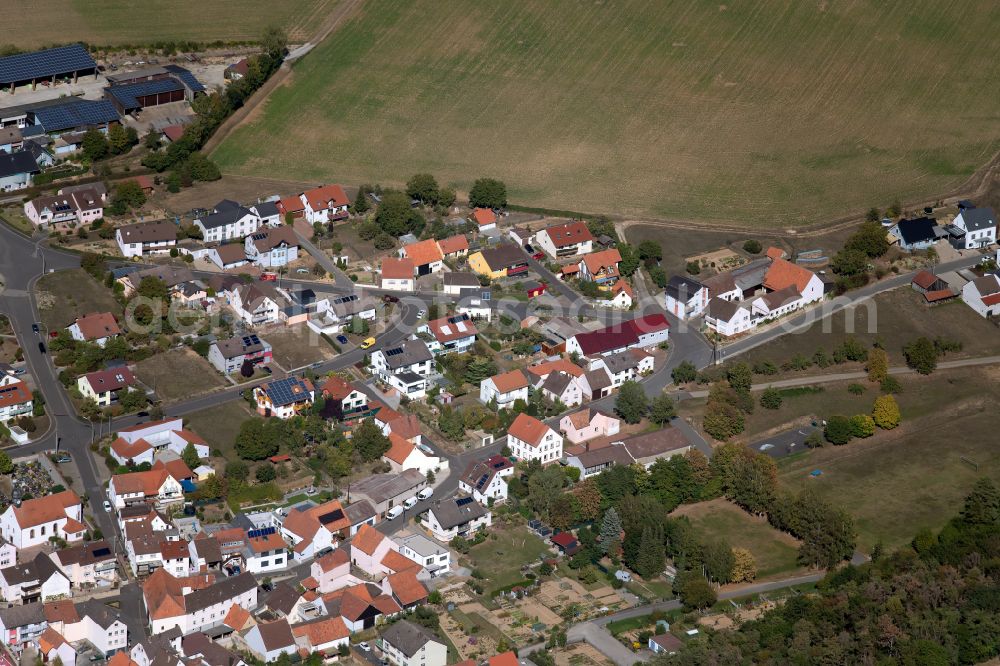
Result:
pixel 43 64
pixel 262 532
pixel 76 113
pixel 128 95
pixel 187 77
pixel 394 352
pixel 331 517
pixel 462 501
pixel 102 552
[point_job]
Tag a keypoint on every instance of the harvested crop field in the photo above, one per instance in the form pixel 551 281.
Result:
pixel 775 113
pixel 106 22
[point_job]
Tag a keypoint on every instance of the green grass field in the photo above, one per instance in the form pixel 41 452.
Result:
pixel 767 113
pixel 107 22
pixel 66 295
pixel 501 559
pixel 774 551
pixel 220 425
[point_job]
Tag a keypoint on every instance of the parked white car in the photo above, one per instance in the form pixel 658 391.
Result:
pixel 394 512
pixel 425 493
pixel 410 503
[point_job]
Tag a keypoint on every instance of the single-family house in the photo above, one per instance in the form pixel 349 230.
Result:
pixel 88 564
pixel 485 219
pixel 324 635
pixel 67 209
pixel 566 240
pixel 665 644
pixel 342 399
pixel 53 646
pixel 405 367
pixel 407 644
pixel 600 267
pixel 284 398
pixel 426 256
pixel 228 355
pixel 983 295
pixel 728 318
pixel 227 221
pixel 915 234
pixel 504 389
pixel 92 621
pixel 455 283
pixel 96 327
pixel 588 423
pixel 15 398
pixel 102 386
pixel 979 227
pixel 503 260
pixel 531 439
pixel 256 304
pixel 195 603
pixel 397 274
pixel 326 204
pixel 454 246
pixel 22 625
pixel 32 522
pixel 143 238
pixel 403 455
pixel 139 442
pixel 268 212
pixel 454 333
pixel 561 387
pixel 17 170
pixel 156 486
pixel 486 480
pixel 456 516
pixel 38 579
pixel 620 296
pixel 429 554
pixel 310 530
pixel 685 298
pixel 272 247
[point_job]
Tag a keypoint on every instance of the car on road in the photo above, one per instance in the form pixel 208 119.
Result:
pixel 421 314
pixel 342 339
pixel 41 347
pixel 410 503
pixel 310 490
pixel 35 328
pixel 389 298
pixel 425 493
pixel 20 371
pixel 64 458
pixel 766 447
pixel 107 505
pixel 142 414
pixel 394 512
pixel 269 277
pixel 368 342
pixel 364 646
pixel 302 271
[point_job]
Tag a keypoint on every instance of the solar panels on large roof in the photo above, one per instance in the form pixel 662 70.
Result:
pixel 76 113
pixel 187 77
pixel 330 517
pixel 44 64
pixel 127 95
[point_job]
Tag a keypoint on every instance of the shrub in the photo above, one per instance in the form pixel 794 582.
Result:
pixel 693 267
pixel 771 398
pixel 838 430
pixel 862 426
pixel 752 246
pixel 891 385
pixel 921 355
pixel 856 389
pixel 765 368
pixel 885 412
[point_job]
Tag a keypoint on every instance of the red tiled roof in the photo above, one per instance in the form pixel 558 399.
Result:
pixel 528 429
pixel 400 448
pixel 15 392
pixel 939 295
pixel 291 204
pixel 322 631
pixel 333 560
pixel 924 279
pixel 445 331
pixel 320 197
pixel 396 562
pixel 570 233
pixel 423 252
pixel 775 253
pixel 453 244
pixel 147 483
pixel 484 217
pixel 97 325
pixel 177 468
pixel 397 269
pixel 510 381
pixel 173 132
pixel 113 379
pixel 597 261
pixel 336 388
pixel 406 587
pixel 46 509
pixel 504 659
pixel 783 274
pixel 564 539
pixel 560 365
pixel 367 539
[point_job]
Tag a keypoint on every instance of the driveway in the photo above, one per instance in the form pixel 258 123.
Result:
pixel 784 443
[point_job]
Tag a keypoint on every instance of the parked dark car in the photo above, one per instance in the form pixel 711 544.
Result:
pixel 342 339
pixel 41 347
pixel 34 328
pixel 266 369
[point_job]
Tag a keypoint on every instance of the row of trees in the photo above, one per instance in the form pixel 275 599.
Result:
pixel 841 429
pixel 853 262
pixel 96 145
pixel 932 602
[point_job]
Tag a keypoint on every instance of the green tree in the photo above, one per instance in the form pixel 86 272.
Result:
pixel 128 196
pixel 6 464
pixel 752 246
pixel 611 532
pixel 684 373
pixel 544 486
pixel 662 409
pixel 744 566
pixel 982 505
pixel 488 193
pixel 121 139
pixel 869 239
pixel 237 470
pixel 255 441
pixel 446 197
pixel 94 145
pixel 451 423
pixel 479 369
pixel 395 216
pixel 718 560
pixel 838 429
pixel 740 377
pixel 274 41
pixel 630 260
pixel 631 404
pixel 921 355
pixel 696 592
pixel 722 420
pixel 849 262
pixel 651 559
pixel 862 426
pixel 131 400
pixel 771 398
pixel 423 187
pixel 877 365
pixel 885 412
pixel 369 441
pixel 650 250
pixel 265 473
pixel 190 456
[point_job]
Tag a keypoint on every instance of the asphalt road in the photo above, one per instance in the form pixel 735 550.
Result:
pixel 784 443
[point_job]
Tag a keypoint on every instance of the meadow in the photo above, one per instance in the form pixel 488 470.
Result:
pixel 775 114
pixel 106 22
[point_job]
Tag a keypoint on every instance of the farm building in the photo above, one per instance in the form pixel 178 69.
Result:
pixel 63 62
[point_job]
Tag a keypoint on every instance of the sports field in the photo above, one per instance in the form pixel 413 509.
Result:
pixel 767 112
pixel 105 22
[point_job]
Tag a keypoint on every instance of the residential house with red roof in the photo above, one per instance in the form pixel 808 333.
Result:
pixel 566 240
pixel 504 389
pixel 403 455
pixel 15 398
pixel 96 327
pixel 317 528
pixel 983 295
pixel 141 442
pixel 454 333
pixel 292 205
pixel 588 424
pixel 195 603
pixel 155 486
pixel 485 219
pixel 601 267
pixel 324 635
pixel 325 204
pixel 454 246
pixel 531 439
pixel 642 332
pixel 102 386
pixel 332 571
pixel 397 274
pixel 342 399
pixel 426 256
pixel 486 479
pixel 32 522
pixel 620 296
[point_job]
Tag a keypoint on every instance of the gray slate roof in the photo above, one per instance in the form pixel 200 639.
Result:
pixel 681 288
pixel 411 351
pixel 978 219
pixel 227 588
pixel 449 514
pixel 19 616
pixel 407 637
pixel 12 164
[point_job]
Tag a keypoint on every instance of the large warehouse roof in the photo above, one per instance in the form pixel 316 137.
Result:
pixel 42 64
pixel 75 112
pixel 127 94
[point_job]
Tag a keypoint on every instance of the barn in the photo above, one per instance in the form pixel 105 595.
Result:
pixel 63 62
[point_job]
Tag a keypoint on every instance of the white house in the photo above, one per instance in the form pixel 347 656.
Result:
pixel 315 528
pixel 88 564
pixel 266 551
pixel 272 247
pixel 95 327
pixel 407 644
pixel 15 398
pixel 531 439
pixel 486 480
pixel 631 364
pixel 227 221
pixel 432 556
pixel 983 295
pixel 565 240
pixel 403 455
pixel 81 206
pixel 324 635
pixel 457 282
pixel 98 624
pixel 155 436
pixel 38 579
pixel 52 645
pixel 156 486
pixel 32 522
pixel 195 603
pixel 255 304
pixel 325 204
pixel 504 389
pixel 776 303
pixel 426 256
pixel 562 387
pixel 454 333
pixel 685 298
pixel 979 225
pixel 405 367
pixel 284 398
pixel 137 240
pixel 457 516
pixel 397 274
pixel 102 386
pixel 728 318
pixel 620 296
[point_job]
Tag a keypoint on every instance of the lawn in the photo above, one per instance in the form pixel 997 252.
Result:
pixel 219 425
pixel 916 476
pixel 297 346
pixel 774 551
pixel 106 22
pixel 178 373
pixel 895 318
pixel 65 295
pixel 771 114
pixel 501 559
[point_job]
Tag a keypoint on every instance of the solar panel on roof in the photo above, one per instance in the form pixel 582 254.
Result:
pixel 43 64
pixel 102 552
pixel 462 501
pixel 187 77
pixel 482 480
pixel 127 95
pixel 331 517
pixel 262 532
pixel 394 352
pixel 75 113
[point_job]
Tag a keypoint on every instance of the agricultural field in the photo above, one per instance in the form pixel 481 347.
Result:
pixel 773 114
pixel 775 552
pixel 107 22
pixel 65 295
